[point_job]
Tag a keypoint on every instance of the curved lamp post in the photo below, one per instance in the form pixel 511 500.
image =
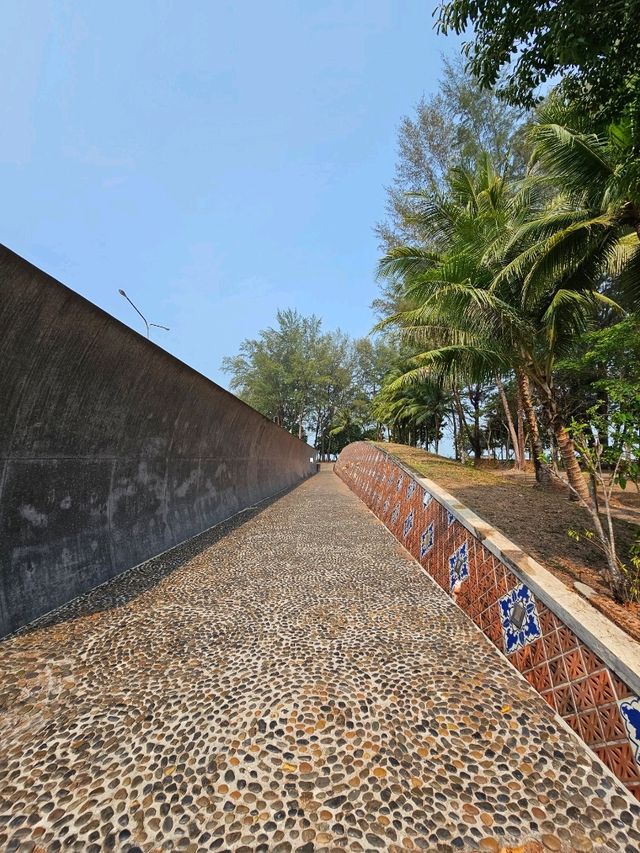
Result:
pixel 157 325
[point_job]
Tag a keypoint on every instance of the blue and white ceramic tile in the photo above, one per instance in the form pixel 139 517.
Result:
pixel 519 617
pixel 426 540
pixel 426 498
pixel 411 489
pixel 408 524
pixel 450 518
pixel 395 513
pixel 458 565
pixel 630 711
pixel 385 508
pixel 399 483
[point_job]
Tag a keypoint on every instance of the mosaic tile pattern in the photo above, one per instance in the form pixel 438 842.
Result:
pixel 458 567
pixel 519 617
pixel 298 684
pixel 570 677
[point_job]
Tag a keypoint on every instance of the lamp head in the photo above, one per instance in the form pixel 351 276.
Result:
pixel 121 292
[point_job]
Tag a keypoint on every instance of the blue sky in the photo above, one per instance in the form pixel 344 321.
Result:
pixel 217 160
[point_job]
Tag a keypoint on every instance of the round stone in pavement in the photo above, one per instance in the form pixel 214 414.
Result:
pixel 291 682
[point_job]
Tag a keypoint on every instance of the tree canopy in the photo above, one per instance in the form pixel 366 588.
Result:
pixel 592 47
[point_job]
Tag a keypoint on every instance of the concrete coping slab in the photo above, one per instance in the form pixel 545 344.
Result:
pixel 619 651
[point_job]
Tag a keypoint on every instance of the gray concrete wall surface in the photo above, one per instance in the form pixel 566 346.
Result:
pixel 111 450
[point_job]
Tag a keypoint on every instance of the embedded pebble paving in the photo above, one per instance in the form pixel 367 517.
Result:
pixel 296 684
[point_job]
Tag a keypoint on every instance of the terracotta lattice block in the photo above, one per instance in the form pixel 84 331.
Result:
pixel 601 687
pixel 538 652
pixel 575 666
pixel 551 643
pixel 568 640
pixel 558 671
pixel 565 672
pixel 590 728
pixel 591 661
pixel 611 723
pixel 582 694
pixel 541 678
pixel 621 689
pixel 618 757
pixel 563 700
pixel 550 699
pixel 574 723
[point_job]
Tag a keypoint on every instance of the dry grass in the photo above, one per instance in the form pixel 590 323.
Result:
pixel 535 519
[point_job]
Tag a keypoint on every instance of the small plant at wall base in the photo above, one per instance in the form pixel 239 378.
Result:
pixel 609 450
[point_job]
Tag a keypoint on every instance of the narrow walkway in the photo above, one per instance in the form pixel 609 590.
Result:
pixel 299 684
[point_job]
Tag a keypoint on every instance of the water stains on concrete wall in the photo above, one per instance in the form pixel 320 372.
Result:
pixel 111 450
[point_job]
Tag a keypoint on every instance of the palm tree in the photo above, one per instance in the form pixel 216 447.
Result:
pixel 588 224
pixel 414 414
pixel 477 320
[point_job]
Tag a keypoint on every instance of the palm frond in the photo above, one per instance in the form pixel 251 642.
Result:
pixel 575 160
pixel 406 261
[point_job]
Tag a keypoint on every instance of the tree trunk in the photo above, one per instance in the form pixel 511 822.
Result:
pixel 464 429
pixel 315 441
pixel 474 397
pixel 574 474
pixel 554 452
pixel 521 433
pixel 543 475
pixel 455 434
pixel 510 426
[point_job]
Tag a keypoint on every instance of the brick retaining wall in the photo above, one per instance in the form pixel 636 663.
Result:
pixel 556 640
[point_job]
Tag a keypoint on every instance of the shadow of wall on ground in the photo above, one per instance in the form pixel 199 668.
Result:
pixel 134 582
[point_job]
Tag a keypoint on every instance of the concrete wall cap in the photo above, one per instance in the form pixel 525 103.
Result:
pixel 613 645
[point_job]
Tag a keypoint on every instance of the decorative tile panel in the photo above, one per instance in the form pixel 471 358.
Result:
pixel 426 541
pixel 520 625
pixel 630 709
pixel 569 675
pixel 458 566
pixel 408 524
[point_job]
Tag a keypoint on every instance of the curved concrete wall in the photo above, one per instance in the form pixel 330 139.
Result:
pixel 111 450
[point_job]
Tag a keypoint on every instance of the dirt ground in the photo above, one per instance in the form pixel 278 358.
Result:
pixel 537 521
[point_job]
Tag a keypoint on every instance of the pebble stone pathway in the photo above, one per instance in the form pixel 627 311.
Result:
pixel 296 684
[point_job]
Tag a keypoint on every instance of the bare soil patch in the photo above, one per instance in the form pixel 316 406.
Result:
pixel 537 520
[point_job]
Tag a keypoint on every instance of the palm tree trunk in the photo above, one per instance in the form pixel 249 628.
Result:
pixel 510 426
pixel 543 475
pixel 474 397
pixel 579 487
pixel 574 474
pixel 521 433
pixel 455 433
pixel 464 429
pixel 554 452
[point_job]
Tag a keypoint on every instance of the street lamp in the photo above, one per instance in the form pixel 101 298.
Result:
pixel 157 325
